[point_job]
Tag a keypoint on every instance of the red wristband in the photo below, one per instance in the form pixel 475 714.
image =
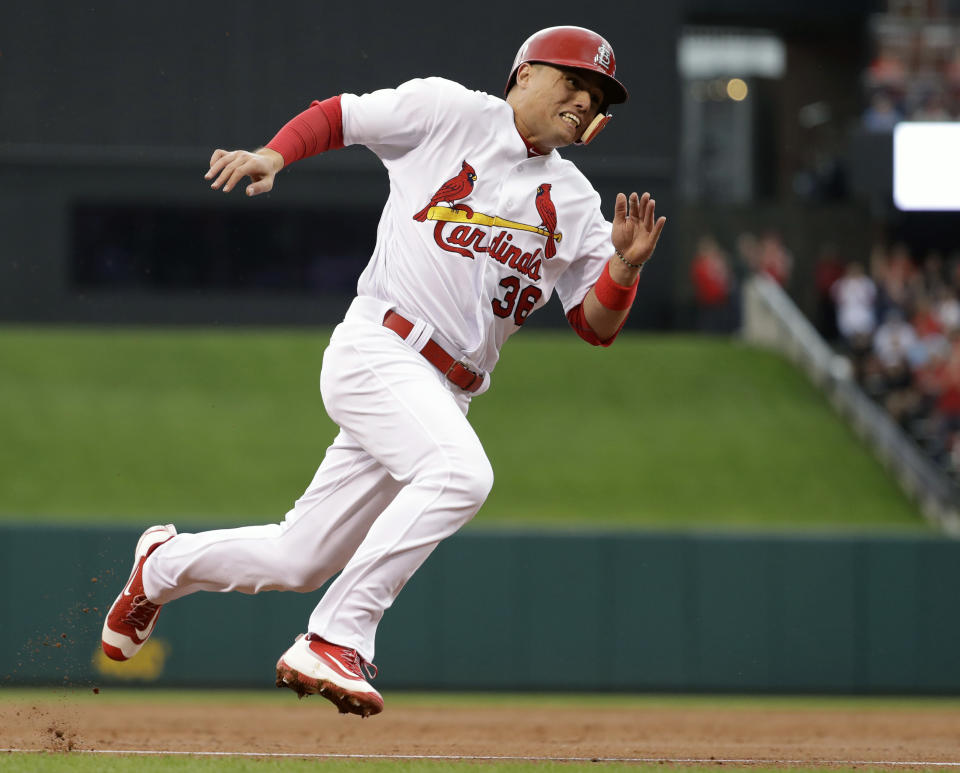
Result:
pixel 614 296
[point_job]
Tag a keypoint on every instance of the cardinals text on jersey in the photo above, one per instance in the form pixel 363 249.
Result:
pixel 476 232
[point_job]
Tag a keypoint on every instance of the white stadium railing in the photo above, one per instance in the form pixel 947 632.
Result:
pixel 772 320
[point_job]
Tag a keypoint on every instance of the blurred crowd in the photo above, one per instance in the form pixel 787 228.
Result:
pixel 898 320
pixel 895 317
pixel 915 72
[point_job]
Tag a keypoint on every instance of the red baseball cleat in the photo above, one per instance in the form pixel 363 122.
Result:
pixel 132 617
pixel 314 666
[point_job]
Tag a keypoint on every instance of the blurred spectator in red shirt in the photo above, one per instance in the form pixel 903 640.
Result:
pixel 946 382
pixel 774 259
pixel 925 321
pixel 888 69
pixel 713 286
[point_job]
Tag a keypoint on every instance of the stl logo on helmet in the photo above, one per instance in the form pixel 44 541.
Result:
pixel 472 232
pixel 602 59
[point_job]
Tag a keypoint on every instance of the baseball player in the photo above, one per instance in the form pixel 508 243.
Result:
pixel 484 222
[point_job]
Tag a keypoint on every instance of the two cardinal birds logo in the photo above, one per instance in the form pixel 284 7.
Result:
pixel 461 186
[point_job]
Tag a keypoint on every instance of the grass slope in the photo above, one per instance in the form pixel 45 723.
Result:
pixel 227 427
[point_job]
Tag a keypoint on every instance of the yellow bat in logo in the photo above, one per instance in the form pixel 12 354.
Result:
pixel 450 215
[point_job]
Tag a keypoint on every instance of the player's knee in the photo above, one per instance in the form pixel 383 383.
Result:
pixel 303 577
pixel 475 481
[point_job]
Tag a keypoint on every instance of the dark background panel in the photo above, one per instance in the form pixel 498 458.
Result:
pixel 222 72
pixel 117 107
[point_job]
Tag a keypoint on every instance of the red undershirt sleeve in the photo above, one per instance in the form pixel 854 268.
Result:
pixel 317 129
pixel 578 321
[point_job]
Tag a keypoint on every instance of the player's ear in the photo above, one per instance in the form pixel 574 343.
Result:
pixel 524 73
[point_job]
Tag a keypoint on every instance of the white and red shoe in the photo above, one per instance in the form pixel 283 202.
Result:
pixel 314 666
pixel 132 617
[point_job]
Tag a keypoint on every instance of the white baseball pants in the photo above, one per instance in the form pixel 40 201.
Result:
pixel 406 471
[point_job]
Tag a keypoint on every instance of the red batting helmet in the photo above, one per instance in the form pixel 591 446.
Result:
pixel 581 49
pixel 574 47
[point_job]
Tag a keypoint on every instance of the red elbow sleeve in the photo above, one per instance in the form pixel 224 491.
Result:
pixel 317 129
pixel 578 321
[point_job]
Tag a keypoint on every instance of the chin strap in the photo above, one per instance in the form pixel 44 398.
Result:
pixel 594 128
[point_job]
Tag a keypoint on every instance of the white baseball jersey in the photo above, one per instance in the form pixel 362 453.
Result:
pixel 476 262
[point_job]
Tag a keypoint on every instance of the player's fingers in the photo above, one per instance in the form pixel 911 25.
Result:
pixel 648 214
pixel 223 172
pixel 231 174
pixel 260 186
pixel 642 205
pixel 620 208
pixel 217 155
pixel 217 161
pixel 237 173
pixel 657 230
pixel 636 206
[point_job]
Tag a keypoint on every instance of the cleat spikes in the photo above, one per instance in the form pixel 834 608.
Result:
pixel 303 671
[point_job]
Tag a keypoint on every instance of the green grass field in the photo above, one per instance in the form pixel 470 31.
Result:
pixel 227 426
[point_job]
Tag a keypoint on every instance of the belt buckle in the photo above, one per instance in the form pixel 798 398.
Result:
pixel 476 375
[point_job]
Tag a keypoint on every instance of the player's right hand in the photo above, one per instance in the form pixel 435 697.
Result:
pixel 228 167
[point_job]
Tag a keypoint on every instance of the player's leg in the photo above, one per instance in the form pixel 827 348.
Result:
pixel 313 542
pixel 309 546
pixel 407 417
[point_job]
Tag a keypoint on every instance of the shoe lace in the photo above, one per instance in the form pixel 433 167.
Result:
pixel 358 664
pixel 141 612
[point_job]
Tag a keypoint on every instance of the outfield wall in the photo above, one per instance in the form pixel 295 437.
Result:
pixel 509 611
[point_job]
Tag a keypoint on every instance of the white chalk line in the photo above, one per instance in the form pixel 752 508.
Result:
pixel 497 758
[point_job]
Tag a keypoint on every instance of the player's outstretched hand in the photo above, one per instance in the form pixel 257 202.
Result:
pixel 635 231
pixel 228 167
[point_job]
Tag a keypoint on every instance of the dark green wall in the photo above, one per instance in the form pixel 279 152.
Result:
pixel 536 612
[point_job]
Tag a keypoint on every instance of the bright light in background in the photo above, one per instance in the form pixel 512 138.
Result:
pixel 737 89
pixel 926 166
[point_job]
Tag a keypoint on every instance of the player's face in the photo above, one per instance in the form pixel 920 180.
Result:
pixel 558 103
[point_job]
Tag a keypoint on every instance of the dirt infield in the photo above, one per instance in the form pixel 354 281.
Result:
pixel 510 729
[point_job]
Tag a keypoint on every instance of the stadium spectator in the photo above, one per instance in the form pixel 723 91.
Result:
pixel 827 271
pixel 856 295
pixel 773 258
pixel 713 285
pixel 888 69
pixel 932 107
pixel 944 385
pixel 894 343
pixel 882 114
pixel 947 309
pixel 893 273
